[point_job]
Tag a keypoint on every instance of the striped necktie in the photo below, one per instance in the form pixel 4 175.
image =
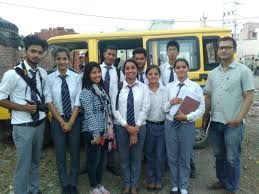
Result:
pixel 171 78
pixel 141 78
pixel 130 108
pixel 175 122
pixel 35 116
pixel 107 79
pixel 66 101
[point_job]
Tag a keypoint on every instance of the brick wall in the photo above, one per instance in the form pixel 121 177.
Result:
pixel 8 58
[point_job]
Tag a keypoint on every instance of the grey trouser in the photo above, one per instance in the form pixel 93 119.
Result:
pixel 130 156
pixel 179 146
pixel 28 143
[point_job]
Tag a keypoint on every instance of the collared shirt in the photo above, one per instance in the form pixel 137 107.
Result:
pixel 13 85
pixel 144 77
pixel 165 73
pixel 53 83
pixel 156 112
pixel 226 88
pixel 113 75
pixel 171 91
pixel 141 103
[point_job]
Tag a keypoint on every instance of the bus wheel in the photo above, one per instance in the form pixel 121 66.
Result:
pixel 201 139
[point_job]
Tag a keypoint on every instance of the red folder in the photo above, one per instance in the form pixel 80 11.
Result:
pixel 188 105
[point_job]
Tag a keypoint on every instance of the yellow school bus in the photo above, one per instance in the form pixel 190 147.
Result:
pixel 198 46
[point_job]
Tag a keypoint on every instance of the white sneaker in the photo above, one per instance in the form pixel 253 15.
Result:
pixel 103 190
pixel 95 191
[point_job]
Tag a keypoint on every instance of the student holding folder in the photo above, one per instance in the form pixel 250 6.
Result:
pixel 179 127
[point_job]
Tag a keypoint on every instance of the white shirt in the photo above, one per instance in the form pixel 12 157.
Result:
pixel 172 89
pixel 166 72
pixel 144 77
pixel 54 82
pixel 13 85
pixel 113 75
pixel 156 112
pixel 141 103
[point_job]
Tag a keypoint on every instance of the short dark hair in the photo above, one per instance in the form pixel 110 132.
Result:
pixel 110 47
pixel 181 60
pixel 34 40
pixel 228 38
pixel 130 61
pixel 173 43
pixel 140 50
pixel 59 49
pixel 153 67
pixel 86 81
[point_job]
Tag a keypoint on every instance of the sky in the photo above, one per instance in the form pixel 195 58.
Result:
pixel 144 11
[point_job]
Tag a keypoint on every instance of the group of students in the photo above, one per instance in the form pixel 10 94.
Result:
pixel 128 110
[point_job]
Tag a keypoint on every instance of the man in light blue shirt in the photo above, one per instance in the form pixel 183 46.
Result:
pixel 230 89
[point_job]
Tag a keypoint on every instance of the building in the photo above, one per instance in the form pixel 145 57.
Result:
pixel 249 31
pixel 10 42
pixel 48 33
pixel 248 43
pixel 161 25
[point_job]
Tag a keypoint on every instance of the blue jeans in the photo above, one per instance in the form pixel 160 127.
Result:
pixel 28 143
pixel 60 138
pixel 155 153
pixel 179 146
pixel 130 156
pixel 96 159
pixel 226 142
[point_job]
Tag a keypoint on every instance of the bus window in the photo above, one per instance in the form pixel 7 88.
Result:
pixel 210 52
pixel 78 49
pixel 189 49
pixel 125 48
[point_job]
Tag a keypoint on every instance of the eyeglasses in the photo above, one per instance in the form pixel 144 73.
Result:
pixel 226 47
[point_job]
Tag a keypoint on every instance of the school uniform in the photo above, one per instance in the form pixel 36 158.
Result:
pixel 63 92
pixel 168 74
pixel 155 137
pixel 28 129
pixel 133 106
pixel 180 137
pixel 110 76
pixel 142 77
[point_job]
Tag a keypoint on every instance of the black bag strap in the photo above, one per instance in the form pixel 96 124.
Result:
pixel 120 85
pixel 118 74
pixel 21 72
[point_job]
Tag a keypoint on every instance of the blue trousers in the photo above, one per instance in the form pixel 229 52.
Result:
pixel 226 142
pixel 155 153
pixel 28 143
pixel 130 156
pixel 96 159
pixel 60 140
pixel 179 146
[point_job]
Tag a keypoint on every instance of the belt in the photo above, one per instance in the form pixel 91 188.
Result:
pixel 157 123
pixel 32 124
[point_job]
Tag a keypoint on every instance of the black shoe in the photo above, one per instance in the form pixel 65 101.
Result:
pixel 73 190
pixel 66 190
pixel 115 171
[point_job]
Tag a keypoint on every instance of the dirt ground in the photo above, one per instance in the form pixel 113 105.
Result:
pixel 204 161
